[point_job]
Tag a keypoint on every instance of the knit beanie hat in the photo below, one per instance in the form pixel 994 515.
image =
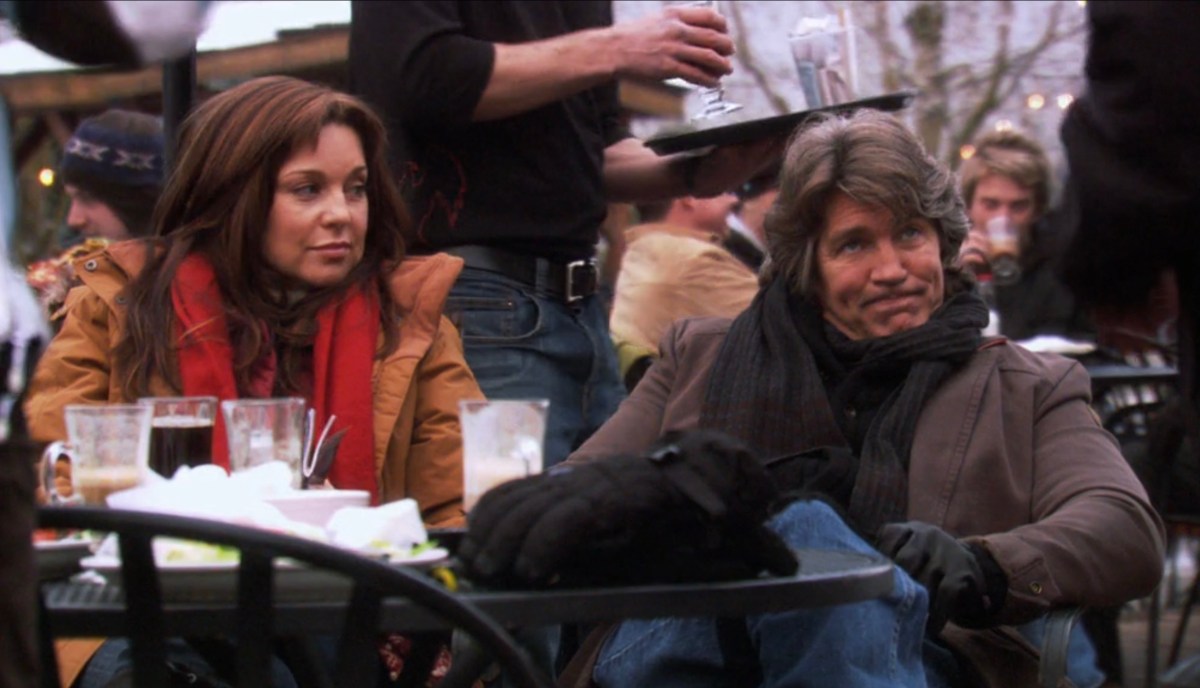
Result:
pixel 117 156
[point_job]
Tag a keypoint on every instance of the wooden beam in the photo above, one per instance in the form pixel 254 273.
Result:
pixel 91 89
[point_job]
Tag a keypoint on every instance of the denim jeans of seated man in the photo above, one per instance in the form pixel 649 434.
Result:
pixel 878 643
pixel 524 345
pixel 868 644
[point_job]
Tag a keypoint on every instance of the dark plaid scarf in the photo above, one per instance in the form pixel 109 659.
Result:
pixel 766 389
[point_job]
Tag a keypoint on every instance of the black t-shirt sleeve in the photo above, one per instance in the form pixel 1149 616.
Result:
pixel 414 60
pixel 612 126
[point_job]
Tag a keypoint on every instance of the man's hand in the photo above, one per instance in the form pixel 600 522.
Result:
pixel 975 254
pixel 946 567
pixel 690 43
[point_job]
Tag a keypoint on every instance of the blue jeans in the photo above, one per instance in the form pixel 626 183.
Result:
pixel 878 643
pixel 523 345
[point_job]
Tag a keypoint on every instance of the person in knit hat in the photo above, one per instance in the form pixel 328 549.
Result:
pixel 112 169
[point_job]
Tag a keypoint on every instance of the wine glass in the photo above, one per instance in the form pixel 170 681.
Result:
pixel 712 97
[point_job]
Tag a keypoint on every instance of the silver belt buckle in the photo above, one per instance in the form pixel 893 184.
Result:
pixel 572 297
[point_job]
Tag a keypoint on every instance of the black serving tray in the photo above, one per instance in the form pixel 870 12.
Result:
pixel 753 130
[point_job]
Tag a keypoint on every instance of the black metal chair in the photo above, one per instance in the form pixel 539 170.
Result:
pixel 372 582
pixel 1052 668
pixel 1147 418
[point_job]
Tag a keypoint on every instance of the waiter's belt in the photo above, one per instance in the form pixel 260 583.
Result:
pixel 568 282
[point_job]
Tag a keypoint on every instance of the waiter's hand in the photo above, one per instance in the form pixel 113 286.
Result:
pixel 690 43
pixel 727 167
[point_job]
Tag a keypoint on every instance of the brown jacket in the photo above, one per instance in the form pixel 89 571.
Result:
pixel 1008 453
pixel 670 272
pixel 418 448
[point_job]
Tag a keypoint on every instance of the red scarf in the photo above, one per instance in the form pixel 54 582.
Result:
pixel 342 367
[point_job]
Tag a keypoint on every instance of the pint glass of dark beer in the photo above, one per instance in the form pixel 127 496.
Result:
pixel 181 432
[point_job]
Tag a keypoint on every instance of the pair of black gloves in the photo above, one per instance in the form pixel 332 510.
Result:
pixel 692 509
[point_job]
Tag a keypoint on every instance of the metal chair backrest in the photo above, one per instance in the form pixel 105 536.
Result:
pixel 372 582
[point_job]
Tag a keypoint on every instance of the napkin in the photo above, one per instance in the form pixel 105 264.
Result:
pixel 394 525
pixel 242 498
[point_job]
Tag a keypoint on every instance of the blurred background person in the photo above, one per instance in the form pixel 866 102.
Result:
pixel 23 333
pixel 1009 177
pixel 112 172
pixel 747 239
pixel 675 266
pixel 1132 145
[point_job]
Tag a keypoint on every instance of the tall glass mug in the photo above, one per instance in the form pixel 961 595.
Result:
pixel 502 440
pixel 262 430
pixel 1005 238
pixel 108 448
pixel 181 432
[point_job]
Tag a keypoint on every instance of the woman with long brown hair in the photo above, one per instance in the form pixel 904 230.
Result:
pixel 279 260
pixel 277 268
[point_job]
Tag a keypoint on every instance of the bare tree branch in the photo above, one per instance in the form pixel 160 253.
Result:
pixel 925 25
pixel 745 56
pixel 1008 73
pixel 880 30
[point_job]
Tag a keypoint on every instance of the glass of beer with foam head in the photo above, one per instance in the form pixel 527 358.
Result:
pixel 107 448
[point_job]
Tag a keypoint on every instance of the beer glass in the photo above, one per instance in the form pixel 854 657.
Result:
pixel 263 430
pixel 181 432
pixel 1005 239
pixel 107 447
pixel 502 441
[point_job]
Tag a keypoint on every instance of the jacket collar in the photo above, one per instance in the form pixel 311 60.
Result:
pixel 639 231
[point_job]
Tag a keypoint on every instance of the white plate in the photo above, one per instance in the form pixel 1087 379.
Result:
pixel 103 564
pixel 64 545
pixel 429 556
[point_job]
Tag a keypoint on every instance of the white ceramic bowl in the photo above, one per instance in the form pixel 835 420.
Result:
pixel 316 506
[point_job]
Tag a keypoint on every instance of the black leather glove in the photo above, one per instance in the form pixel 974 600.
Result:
pixel 693 508
pixel 949 569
